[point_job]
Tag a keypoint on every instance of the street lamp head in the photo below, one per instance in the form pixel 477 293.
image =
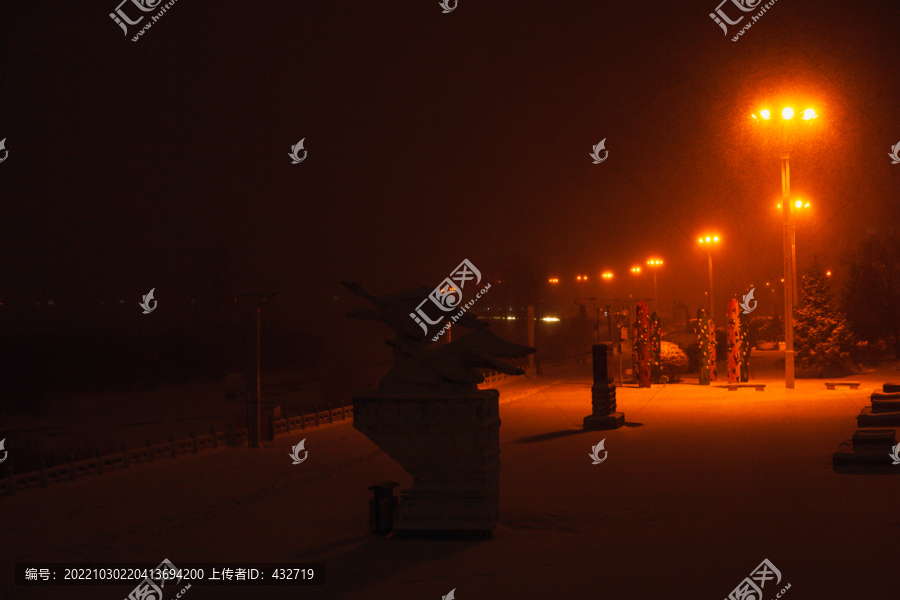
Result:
pixel 635 269
pixel 607 275
pixel 765 114
pixel 828 273
pixel 787 114
pixel 809 114
pixel 806 205
pixel 798 204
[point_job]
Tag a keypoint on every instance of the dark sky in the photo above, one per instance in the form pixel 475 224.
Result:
pixel 431 138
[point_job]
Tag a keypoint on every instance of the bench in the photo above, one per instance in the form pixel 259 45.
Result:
pixel 732 387
pixel 853 385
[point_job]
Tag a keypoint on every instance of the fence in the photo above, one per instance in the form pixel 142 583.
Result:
pixel 494 376
pixel 173 447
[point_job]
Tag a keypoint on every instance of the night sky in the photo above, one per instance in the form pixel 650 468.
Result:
pixel 431 138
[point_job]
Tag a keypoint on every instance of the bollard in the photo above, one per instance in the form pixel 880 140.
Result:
pixel 381 507
pixel 124 456
pixel 11 486
pixel 43 479
pixel 71 467
pixel 149 450
pixel 172 442
pixel 212 431
pixel 99 462
pixel 194 438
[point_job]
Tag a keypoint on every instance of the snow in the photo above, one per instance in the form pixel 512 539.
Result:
pixel 699 487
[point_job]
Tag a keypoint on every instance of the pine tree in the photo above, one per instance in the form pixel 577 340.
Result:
pixel 822 335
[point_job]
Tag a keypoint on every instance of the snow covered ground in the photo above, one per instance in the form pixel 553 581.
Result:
pixel 699 487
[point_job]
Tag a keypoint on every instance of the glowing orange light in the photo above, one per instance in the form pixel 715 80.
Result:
pixel 765 113
pixel 788 113
pixel 809 114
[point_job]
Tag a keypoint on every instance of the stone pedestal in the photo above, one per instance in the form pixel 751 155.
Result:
pixel 603 394
pixel 450 444
pixel 884 411
pixel 871 451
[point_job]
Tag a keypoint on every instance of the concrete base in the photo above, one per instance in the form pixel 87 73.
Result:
pixel 869 418
pixel 870 453
pixel 598 422
pixel 450 444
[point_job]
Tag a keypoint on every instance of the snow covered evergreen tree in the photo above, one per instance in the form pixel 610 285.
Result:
pixel 822 337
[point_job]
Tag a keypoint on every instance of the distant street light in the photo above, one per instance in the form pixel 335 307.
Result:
pixel 789 247
pixel 582 279
pixel 708 241
pixel 655 264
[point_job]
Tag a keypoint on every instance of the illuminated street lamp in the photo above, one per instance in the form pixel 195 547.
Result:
pixel 787 114
pixel 607 275
pixel 796 207
pixel 708 241
pixel 582 279
pixel 655 263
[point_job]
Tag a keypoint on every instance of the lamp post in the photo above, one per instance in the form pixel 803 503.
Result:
pixel 787 114
pixel 655 264
pixel 582 279
pixel 708 241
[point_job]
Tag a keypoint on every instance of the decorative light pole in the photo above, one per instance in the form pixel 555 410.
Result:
pixel 708 241
pixel 788 225
pixel 655 264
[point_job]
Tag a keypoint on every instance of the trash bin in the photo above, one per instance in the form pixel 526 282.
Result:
pixel 381 507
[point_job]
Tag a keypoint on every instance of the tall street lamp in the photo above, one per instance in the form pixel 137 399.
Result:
pixel 787 114
pixel 655 264
pixel 582 279
pixel 708 241
pixel 796 207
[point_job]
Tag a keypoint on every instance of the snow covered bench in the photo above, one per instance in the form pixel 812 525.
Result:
pixel 853 385
pixel 732 387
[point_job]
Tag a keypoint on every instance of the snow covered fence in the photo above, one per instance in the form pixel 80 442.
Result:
pixel 68 472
